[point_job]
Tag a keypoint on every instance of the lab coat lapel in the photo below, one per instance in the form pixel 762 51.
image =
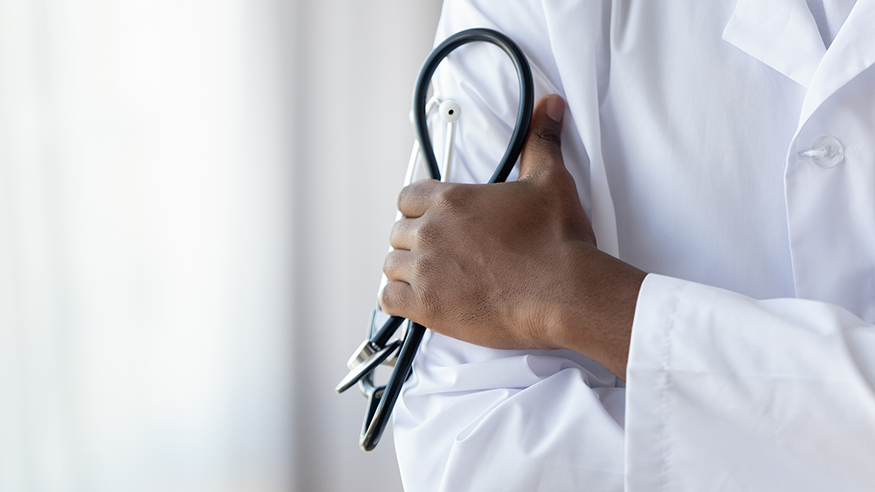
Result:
pixel 780 33
pixel 852 51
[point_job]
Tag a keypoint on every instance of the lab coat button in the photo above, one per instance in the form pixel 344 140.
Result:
pixel 824 152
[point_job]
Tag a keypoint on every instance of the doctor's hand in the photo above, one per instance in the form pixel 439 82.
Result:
pixel 512 265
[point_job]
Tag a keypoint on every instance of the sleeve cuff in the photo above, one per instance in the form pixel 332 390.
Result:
pixel 647 379
pixel 727 392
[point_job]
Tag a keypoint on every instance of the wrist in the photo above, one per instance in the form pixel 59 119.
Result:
pixel 599 321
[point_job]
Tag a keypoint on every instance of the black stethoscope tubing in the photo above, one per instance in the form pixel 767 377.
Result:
pixel 382 399
pixel 524 114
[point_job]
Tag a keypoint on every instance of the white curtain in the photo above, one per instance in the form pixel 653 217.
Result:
pixel 194 203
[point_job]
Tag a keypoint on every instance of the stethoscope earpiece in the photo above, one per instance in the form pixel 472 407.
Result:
pixel 450 111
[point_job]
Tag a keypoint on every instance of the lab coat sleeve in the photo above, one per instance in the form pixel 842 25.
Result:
pixel 729 393
pixel 477 419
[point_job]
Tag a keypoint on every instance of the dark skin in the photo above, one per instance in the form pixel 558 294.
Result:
pixel 512 265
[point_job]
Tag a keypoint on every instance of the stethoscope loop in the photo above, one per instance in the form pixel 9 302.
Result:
pixel 376 423
pixel 377 349
pixel 526 104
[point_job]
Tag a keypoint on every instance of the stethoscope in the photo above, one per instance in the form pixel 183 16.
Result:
pixel 379 348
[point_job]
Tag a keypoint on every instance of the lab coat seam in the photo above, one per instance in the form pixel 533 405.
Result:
pixel 788 171
pixel 665 399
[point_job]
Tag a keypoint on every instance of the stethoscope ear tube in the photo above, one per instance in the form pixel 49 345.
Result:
pixel 381 400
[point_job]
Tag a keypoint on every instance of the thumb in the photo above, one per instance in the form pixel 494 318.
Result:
pixel 543 145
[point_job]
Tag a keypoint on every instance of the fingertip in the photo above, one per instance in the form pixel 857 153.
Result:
pixel 555 107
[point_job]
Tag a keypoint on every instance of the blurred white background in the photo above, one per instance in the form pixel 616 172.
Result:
pixel 195 200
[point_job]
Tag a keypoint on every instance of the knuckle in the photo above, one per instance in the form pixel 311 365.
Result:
pixel 427 233
pixel 429 307
pixel 422 267
pixel 562 180
pixel 549 135
pixel 451 196
pixel 430 289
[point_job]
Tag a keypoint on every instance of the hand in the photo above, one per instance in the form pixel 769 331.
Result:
pixel 512 265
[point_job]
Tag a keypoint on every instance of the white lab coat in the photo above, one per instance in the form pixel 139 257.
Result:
pixel 752 363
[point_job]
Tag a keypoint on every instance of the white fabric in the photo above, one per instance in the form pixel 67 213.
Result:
pixel 695 113
pixel 829 16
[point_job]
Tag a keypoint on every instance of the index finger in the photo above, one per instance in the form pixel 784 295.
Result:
pixel 416 197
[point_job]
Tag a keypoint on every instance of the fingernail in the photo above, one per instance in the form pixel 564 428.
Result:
pixel 555 108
